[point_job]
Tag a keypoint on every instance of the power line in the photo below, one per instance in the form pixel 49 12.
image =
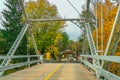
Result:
pixel 73 7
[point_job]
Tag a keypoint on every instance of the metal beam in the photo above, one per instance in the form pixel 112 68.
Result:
pixel 87 9
pixel 103 73
pixel 16 43
pixel 112 32
pixel 89 64
pixel 114 48
pixel 12 66
pixel 13 48
pixel 107 75
pixel 34 44
pixel 107 58
pixel 18 56
pixel 23 9
pixel 90 40
pixel 55 19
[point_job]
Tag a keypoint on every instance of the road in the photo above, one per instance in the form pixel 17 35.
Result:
pixel 52 71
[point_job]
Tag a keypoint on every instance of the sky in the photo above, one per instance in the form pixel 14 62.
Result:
pixel 66 11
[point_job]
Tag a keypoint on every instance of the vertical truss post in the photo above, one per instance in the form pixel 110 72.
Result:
pixel 35 45
pixel 28 60
pixel 28 48
pixel 83 48
pixel 90 39
pixel 92 47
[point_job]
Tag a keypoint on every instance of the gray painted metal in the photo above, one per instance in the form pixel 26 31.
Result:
pixel 89 64
pixel 34 44
pixel 91 43
pixel 114 48
pixel 16 43
pixel 25 15
pixel 107 58
pixel 14 47
pixel 113 29
pixel 108 75
pixel 112 32
pixel 92 46
pixel 55 19
pixel 19 56
pixel 102 72
pixel 17 65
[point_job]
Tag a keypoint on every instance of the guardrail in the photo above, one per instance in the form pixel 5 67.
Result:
pixel 19 56
pixel 28 62
pixel 12 66
pixel 103 73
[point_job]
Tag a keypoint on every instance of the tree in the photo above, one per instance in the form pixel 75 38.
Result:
pixel 45 33
pixel 63 42
pixel 12 25
pixel 71 45
pixel 109 10
pixel 2 41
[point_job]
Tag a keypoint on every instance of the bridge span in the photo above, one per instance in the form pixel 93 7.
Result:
pixel 53 71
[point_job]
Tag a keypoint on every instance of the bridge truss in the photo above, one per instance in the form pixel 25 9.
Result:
pixel 96 65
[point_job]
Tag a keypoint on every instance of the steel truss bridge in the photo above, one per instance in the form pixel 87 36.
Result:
pixel 97 60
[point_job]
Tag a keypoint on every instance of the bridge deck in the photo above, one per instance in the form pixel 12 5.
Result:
pixel 52 71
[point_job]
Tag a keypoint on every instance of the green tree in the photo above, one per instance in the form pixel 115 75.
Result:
pixel 63 41
pixel 65 38
pixel 71 45
pixel 45 33
pixel 12 25
pixel 2 42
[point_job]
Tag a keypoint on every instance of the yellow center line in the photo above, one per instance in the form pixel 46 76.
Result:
pixel 49 75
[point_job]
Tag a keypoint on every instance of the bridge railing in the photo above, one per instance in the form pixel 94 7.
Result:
pixel 15 65
pixel 103 73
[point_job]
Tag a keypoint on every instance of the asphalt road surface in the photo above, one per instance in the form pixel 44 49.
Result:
pixel 52 71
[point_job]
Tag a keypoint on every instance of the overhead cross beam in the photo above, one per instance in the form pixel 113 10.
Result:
pixel 55 19
pixel 76 21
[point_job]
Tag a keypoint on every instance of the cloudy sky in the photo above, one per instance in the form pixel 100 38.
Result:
pixel 66 11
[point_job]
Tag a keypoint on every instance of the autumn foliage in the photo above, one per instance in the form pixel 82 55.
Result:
pixel 106 13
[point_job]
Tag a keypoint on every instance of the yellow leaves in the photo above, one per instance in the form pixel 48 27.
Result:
pixel 53 49
pixel 118 53
pixel 108 10
pixel 108 16
pixel 40 9
pixel 58 37
pixel 115 68
pixel 30 7
pixel 56 51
